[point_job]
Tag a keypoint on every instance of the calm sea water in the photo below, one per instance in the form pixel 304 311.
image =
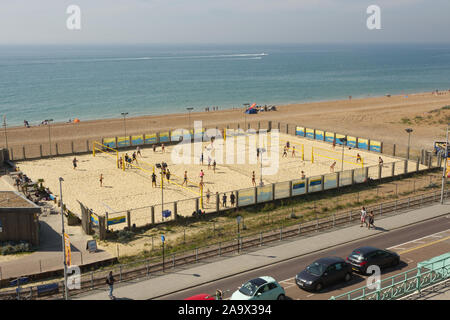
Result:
pixel 92 82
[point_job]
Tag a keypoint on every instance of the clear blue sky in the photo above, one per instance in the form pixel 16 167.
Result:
pixel 223 21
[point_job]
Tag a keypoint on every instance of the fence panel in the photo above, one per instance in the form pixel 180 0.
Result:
pixel 264 193
pixel 330 181
pixel 282 190
pixel 345 178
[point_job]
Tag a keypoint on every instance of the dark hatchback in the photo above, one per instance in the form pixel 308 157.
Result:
pixel 324 272
pixel 363 257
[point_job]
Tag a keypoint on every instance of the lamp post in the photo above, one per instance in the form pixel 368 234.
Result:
pixel 343 141
pixel 189 109
pixel 246 105
pixel 238 220
pixel 124 114
pixel 48 121
pixel 66 291
pixel 408 130
pixel 4 126
pixel 261 150
pixel 444 169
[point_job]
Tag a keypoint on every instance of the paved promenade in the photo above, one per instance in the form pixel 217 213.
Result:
pixel 202 273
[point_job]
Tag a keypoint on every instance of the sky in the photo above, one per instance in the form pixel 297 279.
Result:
pixel 223 21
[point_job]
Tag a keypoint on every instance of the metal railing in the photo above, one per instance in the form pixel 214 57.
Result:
pixel 149 267
pixel 404 283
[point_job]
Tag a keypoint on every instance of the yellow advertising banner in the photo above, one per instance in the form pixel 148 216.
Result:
pixel 67 249
pixel 448 168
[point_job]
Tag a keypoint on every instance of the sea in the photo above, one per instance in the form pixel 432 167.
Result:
pixel 63 82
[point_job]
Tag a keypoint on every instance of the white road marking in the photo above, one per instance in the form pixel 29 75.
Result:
pixel 433 235
pixel 310 295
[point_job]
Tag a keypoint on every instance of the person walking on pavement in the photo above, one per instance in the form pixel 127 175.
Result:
pixel 232 198
pixel 110 283
pixel 371 220
pixel 219 294
pixel 363 216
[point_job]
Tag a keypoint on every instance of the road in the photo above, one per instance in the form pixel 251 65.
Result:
pixel 414 244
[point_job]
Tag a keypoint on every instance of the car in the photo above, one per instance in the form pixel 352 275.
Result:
pixel 363 257
pixel 262 288
pixel 201 296
pixel 324 272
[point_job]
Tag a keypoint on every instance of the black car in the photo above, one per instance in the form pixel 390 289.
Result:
pixel 363 257
pixel 324 272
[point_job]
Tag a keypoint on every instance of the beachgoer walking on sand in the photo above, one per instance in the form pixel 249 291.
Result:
pixel 185 179
pixel 209 162
pixel 101 179
pixel 253 179
pixel 154 147
pixel 134 157
pixel 232 198
pixel 363 216
pixel 334 144
pixel 224 200
pixel 371 220
pixel 153 180
pixel 138 151
pixel 201 159
pixel 303 175
pixel 110 283
pixel 163 148
pixel 201 175
pixel 74 161
pixel 214 165
pixel 332 166
pixel 168 174
pixel 358 157
pixel 208 195
pixel 293 151
pixel 288 145
pixel 120 162
pixel 284 152
pixel 380 161
pixel 257 153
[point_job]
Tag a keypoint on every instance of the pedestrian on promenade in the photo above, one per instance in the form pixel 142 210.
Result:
pixel 303 174
pixel 214 165
pixel 74 163
pixel 363 216
pixel 371 220
pixel 232 198
pixel 110 283
pixel 219 294
pixel 101 179
pixel 253 179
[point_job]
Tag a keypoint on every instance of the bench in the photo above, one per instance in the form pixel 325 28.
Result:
pixel 47 289
pixel 22 280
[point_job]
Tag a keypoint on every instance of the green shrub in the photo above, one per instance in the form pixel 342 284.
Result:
pixel 13 247
pixel 125 236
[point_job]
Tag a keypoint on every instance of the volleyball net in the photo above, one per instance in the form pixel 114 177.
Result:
pixel 99 147
pixel 321 155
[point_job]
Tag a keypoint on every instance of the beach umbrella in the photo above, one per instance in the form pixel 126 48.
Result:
pixel 76 120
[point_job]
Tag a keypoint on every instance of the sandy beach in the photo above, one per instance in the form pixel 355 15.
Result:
pixel 381 118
